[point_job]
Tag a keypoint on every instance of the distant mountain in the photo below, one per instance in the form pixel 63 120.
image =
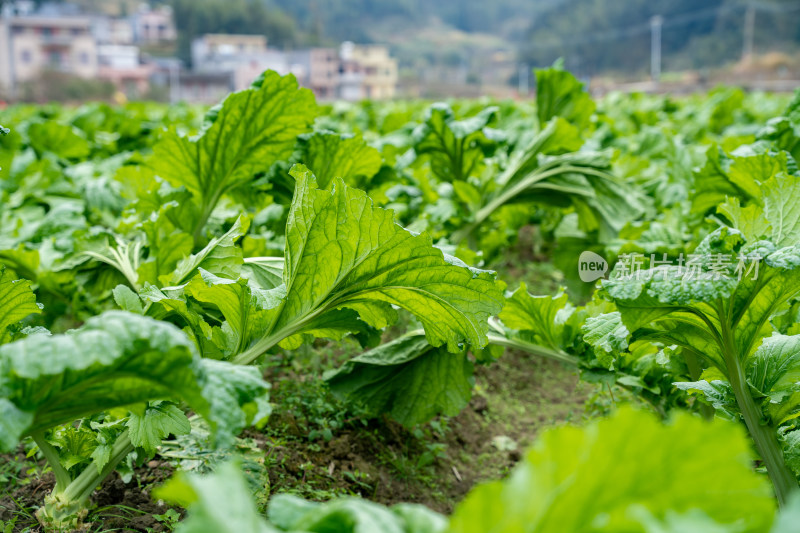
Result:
pixel 367 19
pixel 615 35
pixel 594 36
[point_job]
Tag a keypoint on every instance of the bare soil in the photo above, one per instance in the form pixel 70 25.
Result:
pixel 514 399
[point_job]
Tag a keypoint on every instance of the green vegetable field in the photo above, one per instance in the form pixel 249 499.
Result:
pixel 553 315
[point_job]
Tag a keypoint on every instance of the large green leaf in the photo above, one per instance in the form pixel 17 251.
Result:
pixel 720 314
pixel 245 309
pixel 712 185
pixel 342 252
pixel 16 301
pixel 774 371
pixel 784 131
pixel 748 171
pixel 582 179
pixel 781 208
pixel 252 130
pixel 777 220
pixel 330 155
pixel 220 502
pixel 352 515
pixel 347 263
pixel 266 272
pixel 171 301
pixel 717 393
pixel 454 147
pixel 749 220
pixel 735 176
pixel 607 335
pixel 644 296
pixel 543 316
pixel 662 305
pixel 233 397
pixel 560 94
pixel 146 430
pixel 117 359
pixel 627 473
pixel 555 138
pixel 408 379
pixel 220 256
pixel 59 139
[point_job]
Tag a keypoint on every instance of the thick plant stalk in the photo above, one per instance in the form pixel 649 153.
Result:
pixel 258 349
pixel 63 478
pixel 534 349
pixel 764 436
pixel 66 507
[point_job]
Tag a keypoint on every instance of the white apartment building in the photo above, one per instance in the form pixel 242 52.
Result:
pixel 31 44
pixel 243 57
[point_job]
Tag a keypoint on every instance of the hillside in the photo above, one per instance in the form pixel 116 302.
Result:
pixel 472 42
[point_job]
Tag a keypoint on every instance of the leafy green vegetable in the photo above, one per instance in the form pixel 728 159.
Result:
pixel 17 301
pixel 127 300
pixel 543 315
pixel 59 139
pixel 219 256
pixel 190 219
pixel 159 420
pixel 221 502
pixel 352 515
pixel 560 94
pixel 784 131
pixel 739 176
pixel 778 220
pixel 116 359
pixel 539 171
pixel 266 272
pixel 251 130
pixel 720 313
pixel 626 473
pixel 455 148
pixel 341 252
pixel 408 379
pixel 330 155
pixel 593 339
pixel 562 484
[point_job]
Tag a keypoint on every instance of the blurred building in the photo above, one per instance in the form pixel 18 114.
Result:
pixel 223 46
pixel 378 69
pixel 354 73
pixel 242 57
pixel 113 30
pixel 121 65
pixel 30 44
pixel 318 69
pixel 36 38
pixel 351 80
pixel 202 87
pixel 153 24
